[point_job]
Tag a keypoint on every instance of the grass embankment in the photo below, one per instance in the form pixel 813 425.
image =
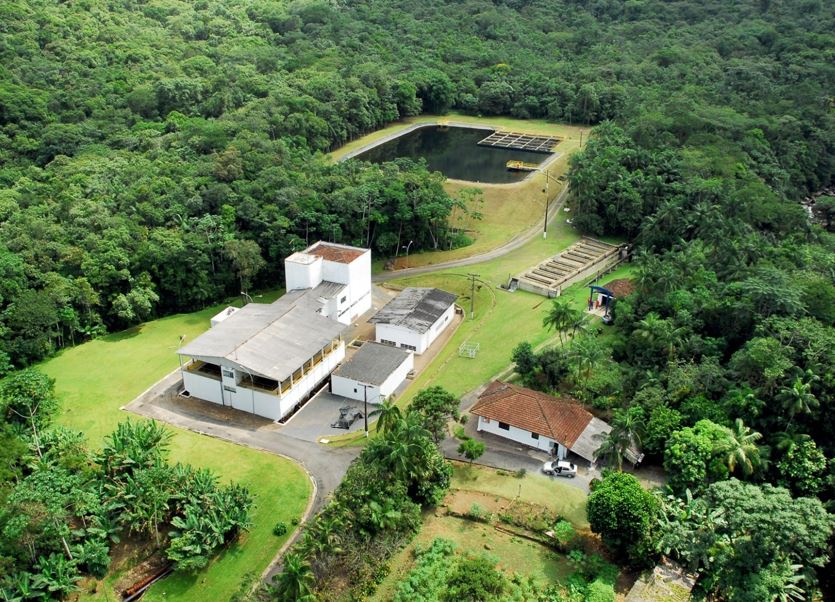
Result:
pixel 492 490
pixel 95 379
pixel 509 210
pixel 564 499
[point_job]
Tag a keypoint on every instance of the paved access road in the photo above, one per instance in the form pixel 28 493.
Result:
pixel 513 244
pixel 326 465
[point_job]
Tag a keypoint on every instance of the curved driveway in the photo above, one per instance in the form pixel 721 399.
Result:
pixel 511 245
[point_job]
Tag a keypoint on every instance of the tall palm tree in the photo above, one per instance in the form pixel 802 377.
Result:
pixel 659 333
pixel 560 317
pixel 389 414
pixel 611 449
pixel 798 398
pixel 741 449
pixel 587 352
pixel 295 582
pixel 624 437
pixel 788 440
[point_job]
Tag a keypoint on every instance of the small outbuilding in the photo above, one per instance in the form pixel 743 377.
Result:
pixel 608 293
pixel 415 318
pixel 373 373
pixel 536 419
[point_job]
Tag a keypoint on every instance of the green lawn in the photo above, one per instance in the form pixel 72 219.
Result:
pixel 95 379
pixel 502 319
pixel 567 501
pixel 516 555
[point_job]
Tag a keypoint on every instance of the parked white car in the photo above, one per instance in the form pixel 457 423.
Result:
pixel 560 468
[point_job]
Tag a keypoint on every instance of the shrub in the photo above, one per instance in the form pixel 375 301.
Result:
pixel 471 449
pixel 598 591
pixel 520 474
pixel 280 528
pixel 625 515
pixel 476 512
pixel 564 533
pixel 459 433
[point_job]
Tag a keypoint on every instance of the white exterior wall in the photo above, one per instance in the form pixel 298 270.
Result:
pixel 336 271
pixel 421 342
pixel 440 325
pixel 520 436
pixel 401 336
pixel 302 274
pixel 202 387
pixel 256 401
pixel 397 377
pixel 357 275
pixel 348 387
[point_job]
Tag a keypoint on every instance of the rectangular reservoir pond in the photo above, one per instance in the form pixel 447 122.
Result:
pixel 455 152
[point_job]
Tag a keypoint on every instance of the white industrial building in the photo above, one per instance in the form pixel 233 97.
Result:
pixel 337 276
pixel 414 319
pixel 268 358
pixel 373 373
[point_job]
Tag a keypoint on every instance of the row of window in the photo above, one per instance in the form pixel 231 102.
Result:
pixel 506 427
pixel 394 344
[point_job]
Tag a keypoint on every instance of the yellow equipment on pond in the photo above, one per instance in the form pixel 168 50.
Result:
pixel 521 166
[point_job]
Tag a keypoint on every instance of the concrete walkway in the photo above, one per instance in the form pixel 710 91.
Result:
pixel 325 465
pixel 513 244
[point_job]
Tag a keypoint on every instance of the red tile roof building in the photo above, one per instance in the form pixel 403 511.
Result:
pixel 558 419
pixel 536 419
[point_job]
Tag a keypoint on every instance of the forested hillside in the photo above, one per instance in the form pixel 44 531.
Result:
pixel 157 156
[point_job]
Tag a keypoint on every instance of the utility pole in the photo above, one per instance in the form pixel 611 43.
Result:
pixel 545 173
pixel 472 294
pixel 545 223
pixel 365 406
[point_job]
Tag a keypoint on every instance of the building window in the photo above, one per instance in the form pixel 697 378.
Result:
pixel 504 426
pixel 409 347
pixel 387 342
pixel 343 299
pixel 534 436
pixel 230 389
pixel 355 390
pixel 228 373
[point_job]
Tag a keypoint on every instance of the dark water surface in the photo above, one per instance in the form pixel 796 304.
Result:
pixel 455 153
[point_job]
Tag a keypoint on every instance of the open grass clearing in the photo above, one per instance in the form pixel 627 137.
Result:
pixel 508 210
pixel 567 501
pixel 95 379
pixel 515 554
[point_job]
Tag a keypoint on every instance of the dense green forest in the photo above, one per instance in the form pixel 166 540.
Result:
pixel 157 156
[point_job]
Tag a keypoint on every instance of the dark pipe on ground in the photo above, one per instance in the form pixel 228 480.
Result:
pixel 137 590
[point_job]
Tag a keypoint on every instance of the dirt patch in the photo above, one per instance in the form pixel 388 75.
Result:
pixel 135 564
